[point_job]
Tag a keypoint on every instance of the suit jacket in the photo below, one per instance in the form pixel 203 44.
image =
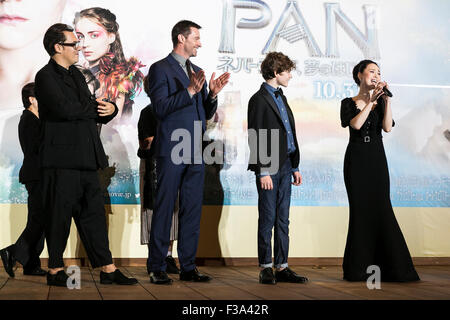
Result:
pixel 263 113
pixel 29 133
pixel 173 106
pixel 68 112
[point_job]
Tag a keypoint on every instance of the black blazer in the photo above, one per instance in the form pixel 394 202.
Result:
pixel 263 113
pixel 29 132
pixel 68 112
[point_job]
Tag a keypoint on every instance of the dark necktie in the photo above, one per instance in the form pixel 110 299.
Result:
pixel 278 92
pixel 189 68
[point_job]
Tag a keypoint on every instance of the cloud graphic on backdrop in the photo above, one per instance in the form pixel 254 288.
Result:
pixel 422 130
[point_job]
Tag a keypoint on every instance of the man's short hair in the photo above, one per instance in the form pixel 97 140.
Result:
pixel 275 62
pixel 27 92
pixel 55 34
pixel 182 27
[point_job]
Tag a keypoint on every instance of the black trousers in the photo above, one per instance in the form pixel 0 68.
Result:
pixel 75 194
pixel 30 244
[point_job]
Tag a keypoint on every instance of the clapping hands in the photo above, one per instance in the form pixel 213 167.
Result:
pixel 197 80
pixel 216 85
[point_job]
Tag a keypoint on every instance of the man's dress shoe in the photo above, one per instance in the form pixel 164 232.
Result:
pixel 194 275
pixel 116 277
pixel 266 276
pixel 9 262
pixel 59 279
pixel 160 277
pixel 287 275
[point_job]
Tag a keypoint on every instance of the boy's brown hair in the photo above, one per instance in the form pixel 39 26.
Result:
pixel 275 62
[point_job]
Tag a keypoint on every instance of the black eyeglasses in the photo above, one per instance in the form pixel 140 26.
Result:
pixel 71 44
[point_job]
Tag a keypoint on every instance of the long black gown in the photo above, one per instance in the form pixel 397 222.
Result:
pixel 374 236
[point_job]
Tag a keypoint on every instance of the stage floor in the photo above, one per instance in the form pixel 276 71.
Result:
pixel 231 283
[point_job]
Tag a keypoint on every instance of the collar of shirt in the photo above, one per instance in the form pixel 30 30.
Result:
pixel 31 114
pixel 180 59
pixel 60 69
pixel 270 88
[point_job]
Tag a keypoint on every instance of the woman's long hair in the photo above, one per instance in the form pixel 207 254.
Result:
pixel 116 73
pixel 108 20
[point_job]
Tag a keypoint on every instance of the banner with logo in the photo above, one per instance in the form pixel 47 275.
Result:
pixel 326 39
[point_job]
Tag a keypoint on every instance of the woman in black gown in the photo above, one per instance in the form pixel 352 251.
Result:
pixel 374 237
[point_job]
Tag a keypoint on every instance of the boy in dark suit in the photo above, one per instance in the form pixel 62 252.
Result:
pixel 269 114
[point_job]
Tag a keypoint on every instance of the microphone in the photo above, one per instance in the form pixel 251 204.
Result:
pixel 385 90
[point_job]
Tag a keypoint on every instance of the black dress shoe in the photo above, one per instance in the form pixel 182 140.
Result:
pixel 59 279
pixel 116 277
pixel 266 276
pixel 287 275
pixel 37 271
pixel 194 275
pixel 171 265
pixel 160 277
pixel 9 262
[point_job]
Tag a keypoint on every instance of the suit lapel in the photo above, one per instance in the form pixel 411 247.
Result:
pixel 181 75
pixel 272 103
pixel 178 70
pixel 199 96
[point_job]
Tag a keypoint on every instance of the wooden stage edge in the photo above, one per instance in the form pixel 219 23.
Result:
pixel 234 262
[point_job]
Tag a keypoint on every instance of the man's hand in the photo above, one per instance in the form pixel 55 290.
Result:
pixel 216 85
pixel 196 82
pixel 266 183
pixel 297 178
pixel 105 108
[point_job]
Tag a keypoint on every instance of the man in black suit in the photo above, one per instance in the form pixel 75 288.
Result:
pixel 269 114
pixel 70 155
pixel 31 242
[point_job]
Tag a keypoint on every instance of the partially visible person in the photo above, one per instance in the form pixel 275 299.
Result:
pixel 374 237
pixel 147 126
pixel 269 112
pixel 30 244
pixel 70 155
pixel 120 79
